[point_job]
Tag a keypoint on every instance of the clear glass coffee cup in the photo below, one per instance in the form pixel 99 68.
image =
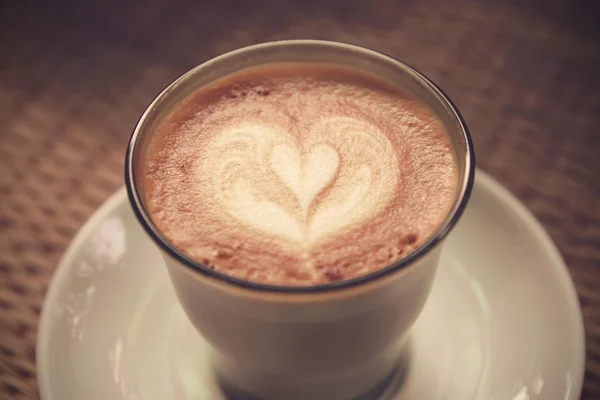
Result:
pixel 331 341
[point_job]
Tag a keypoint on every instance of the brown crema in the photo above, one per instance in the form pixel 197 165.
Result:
pixel 299 174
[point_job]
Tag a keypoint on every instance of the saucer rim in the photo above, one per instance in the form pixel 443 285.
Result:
pixel 482 180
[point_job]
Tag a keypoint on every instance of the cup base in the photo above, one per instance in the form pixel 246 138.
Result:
pixel 368 382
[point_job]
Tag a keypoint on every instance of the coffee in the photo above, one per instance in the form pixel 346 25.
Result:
pixel 299 174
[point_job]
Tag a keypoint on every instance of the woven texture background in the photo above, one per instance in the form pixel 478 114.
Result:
pixel 74 80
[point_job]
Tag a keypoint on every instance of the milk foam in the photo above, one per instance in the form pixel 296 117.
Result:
pixel 329 176
pixel 299 175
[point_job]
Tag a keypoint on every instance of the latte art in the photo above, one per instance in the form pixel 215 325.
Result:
pixel 343 172
pixel 308 174
pixel 298 174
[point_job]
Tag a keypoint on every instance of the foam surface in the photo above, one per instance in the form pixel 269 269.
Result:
pixel 299 174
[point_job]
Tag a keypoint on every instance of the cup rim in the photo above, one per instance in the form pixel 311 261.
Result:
pixel 463 193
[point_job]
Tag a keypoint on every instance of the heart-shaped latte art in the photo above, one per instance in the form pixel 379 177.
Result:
pixel 306 176
pixel 306 188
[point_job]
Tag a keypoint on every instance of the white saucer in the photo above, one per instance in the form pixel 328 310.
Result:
pixel 503 321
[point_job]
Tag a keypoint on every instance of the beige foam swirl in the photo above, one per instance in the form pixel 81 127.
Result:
pixel 302 188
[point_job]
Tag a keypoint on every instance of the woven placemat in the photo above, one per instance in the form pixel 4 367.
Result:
pixel 74 80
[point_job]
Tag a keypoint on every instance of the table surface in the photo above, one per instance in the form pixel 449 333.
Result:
pixel 74 80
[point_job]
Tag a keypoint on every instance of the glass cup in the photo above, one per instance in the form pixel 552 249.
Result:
pixel 331 341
